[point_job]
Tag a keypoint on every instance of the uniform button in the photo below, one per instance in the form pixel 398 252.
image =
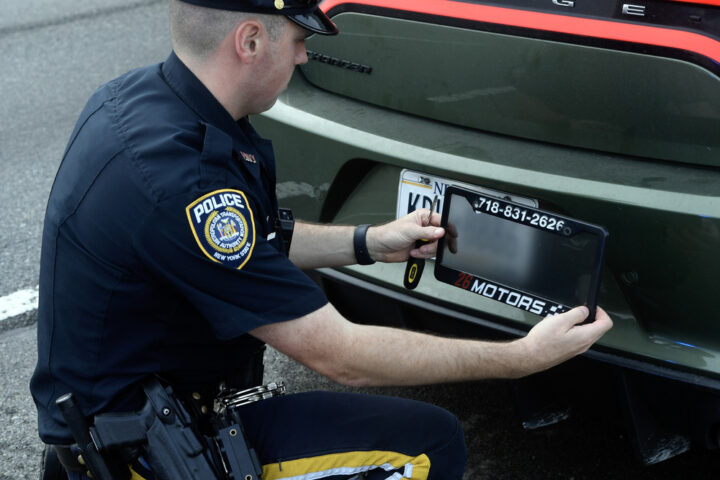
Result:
pixel 196 396
pixel 204 409
pixel 81 460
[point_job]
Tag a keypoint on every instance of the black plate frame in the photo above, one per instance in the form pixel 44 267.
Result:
pixel 508 294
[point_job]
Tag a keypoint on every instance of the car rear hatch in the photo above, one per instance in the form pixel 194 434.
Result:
pixel 633 79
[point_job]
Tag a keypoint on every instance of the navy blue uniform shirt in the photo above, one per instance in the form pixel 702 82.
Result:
pixel 159 251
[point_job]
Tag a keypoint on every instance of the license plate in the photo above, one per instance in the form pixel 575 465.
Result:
pixel 417 190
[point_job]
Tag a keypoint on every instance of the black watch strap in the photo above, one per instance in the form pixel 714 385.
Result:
pixel 360 243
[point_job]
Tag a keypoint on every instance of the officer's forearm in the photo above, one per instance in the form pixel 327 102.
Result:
pixel 361 355
pixel 317 246
pixel 379 356
pixel 354 354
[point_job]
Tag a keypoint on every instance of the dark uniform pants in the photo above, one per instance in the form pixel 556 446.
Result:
pixel 333 436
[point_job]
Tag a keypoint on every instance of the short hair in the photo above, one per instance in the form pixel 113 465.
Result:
pixel 199 31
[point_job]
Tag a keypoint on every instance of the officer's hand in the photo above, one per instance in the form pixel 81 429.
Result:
pixel 395 241
pixel 559 338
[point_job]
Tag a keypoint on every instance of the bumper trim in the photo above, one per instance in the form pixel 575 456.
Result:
pixel 597 352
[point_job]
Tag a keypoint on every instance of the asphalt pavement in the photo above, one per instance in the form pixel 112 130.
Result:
pixel 54 55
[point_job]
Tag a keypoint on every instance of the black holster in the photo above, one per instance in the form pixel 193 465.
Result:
pixel 168 438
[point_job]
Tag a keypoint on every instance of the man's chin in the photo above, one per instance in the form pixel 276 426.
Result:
pixel 264 108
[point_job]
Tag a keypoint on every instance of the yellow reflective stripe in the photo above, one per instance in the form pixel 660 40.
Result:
pixel 348 463
pixel 134 475
pixel 417 184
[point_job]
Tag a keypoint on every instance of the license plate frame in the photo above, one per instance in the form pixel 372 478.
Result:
pixel 501 252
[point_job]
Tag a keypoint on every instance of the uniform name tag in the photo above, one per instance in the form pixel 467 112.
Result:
pixel 223 226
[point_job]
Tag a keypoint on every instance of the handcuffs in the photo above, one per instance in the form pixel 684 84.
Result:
pixel 233 398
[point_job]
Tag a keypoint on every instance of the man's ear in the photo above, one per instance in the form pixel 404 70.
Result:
pixel 250 40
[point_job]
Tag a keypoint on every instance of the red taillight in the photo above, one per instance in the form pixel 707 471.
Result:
pixel 714 3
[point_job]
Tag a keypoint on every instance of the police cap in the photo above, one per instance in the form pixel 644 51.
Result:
pixel 305 13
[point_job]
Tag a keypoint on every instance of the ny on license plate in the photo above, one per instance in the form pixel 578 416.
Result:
pixel 417 190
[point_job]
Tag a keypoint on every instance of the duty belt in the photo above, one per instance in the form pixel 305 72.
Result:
pixel 69 459
pixel 174 446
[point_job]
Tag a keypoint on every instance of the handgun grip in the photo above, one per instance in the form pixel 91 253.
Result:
pixel 121 429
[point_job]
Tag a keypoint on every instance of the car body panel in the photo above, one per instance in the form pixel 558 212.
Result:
pixel 531 88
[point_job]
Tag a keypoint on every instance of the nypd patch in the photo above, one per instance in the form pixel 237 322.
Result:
pixel 223 226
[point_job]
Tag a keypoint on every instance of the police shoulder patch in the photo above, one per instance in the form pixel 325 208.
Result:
pixel 223 226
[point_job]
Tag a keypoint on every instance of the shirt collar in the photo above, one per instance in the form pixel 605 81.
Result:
pixel 196 95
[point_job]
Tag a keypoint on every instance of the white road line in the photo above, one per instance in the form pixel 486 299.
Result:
pixel 18 303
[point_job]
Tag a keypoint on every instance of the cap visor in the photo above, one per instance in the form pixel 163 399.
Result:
pixel 316 22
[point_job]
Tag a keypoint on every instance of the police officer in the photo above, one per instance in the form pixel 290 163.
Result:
pixel 161 257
